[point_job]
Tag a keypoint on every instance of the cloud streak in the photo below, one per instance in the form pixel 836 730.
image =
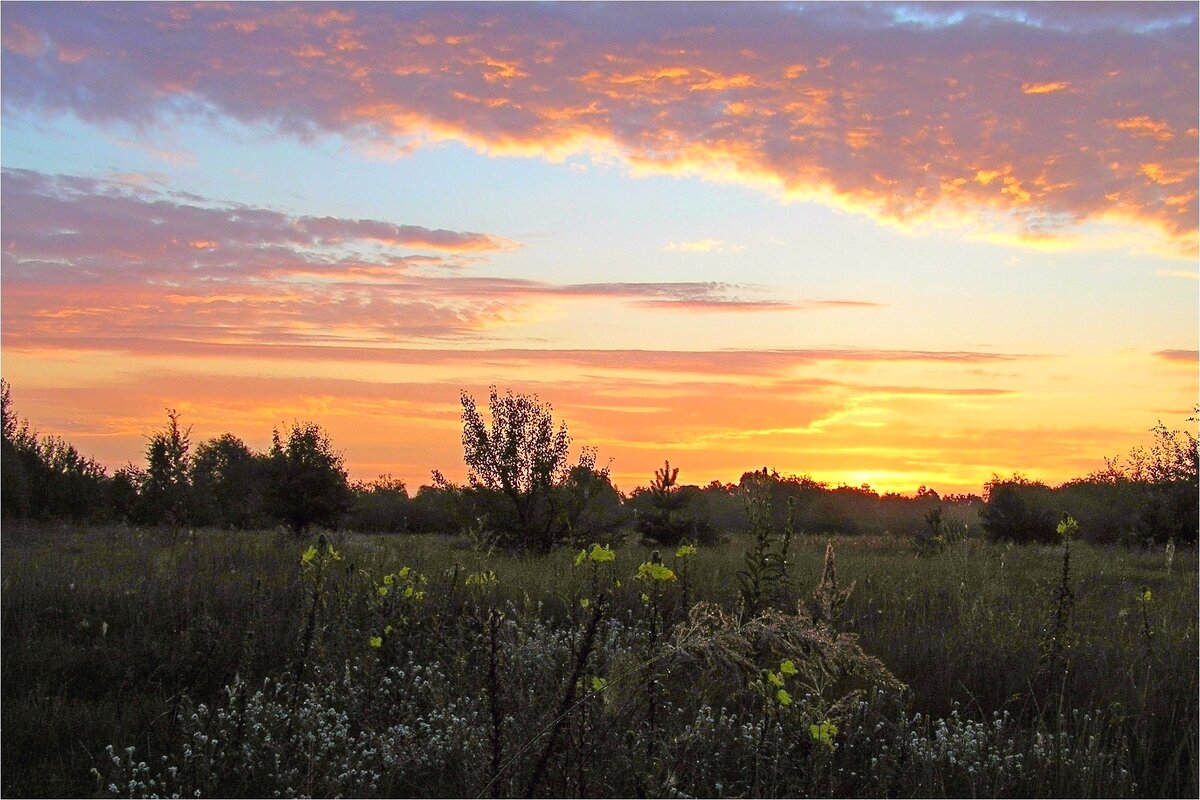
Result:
pixel 1185 358
pixel 1026 122
pixel 89 263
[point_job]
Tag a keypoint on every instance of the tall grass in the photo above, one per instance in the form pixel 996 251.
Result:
pixel 126 637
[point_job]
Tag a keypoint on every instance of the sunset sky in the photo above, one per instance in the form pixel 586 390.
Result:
pixel 887 243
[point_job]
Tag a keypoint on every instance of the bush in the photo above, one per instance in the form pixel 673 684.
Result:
pixel 1019 510
pixel 381 506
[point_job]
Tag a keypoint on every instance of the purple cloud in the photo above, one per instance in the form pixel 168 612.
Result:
pixel 94 263
pixel 1026 120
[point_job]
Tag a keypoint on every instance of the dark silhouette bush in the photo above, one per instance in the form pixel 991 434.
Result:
pixel 1019 510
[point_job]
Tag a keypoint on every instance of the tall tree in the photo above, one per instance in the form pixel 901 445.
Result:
pixel 307 482
pixel 518 466
pixel 228 483
pixel 166 493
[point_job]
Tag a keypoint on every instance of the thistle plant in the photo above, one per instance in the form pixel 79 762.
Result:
pixel 653 575
pixel 829 597
pixel 683 557
pixel 764 578
pixel 1144 598
pixel 314 565
pixel 592 559
pixel 573 685
pixel 1058 635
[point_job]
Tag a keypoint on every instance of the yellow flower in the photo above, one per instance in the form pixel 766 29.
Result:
pixel 598 684
pixel 1068 527
pixel 382 591
pixel 481 578
pixel 601 554
pixel 388 580
pixel 788 667
pixel 583 601
pixel 685 551
pixel 783 697
pixel 309 555
pixel 376 641
pixel 1146 595
pixel 650 571
pixel 581 557
pixel 823 734
pixel 775 678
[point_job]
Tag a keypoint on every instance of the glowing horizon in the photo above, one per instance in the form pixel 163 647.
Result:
pixel 892 244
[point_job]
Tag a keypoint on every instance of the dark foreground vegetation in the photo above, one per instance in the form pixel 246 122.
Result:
pixel 556 638
pixel 246 664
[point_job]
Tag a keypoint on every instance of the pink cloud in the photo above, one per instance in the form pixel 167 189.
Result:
pixel 1082 113
pixel 91 263
pixel 1186 358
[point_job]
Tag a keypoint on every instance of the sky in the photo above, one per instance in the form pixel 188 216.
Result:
pixel 887 243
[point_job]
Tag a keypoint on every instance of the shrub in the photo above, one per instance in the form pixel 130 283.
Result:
pixel 381 506
pixel 1018 510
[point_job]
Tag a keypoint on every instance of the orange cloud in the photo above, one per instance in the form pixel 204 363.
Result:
pixel 862 109
pixel 1187 358
pixel 703 246
pixel 953 431
pixel 1049 87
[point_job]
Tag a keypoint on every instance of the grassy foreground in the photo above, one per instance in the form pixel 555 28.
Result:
pixel 234 669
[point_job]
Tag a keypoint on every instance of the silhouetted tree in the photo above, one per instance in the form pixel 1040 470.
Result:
pixel 166 491
pixel 14 447
pixel 46 477
pixel 590 505
pixel 663 521
pixel 69 485
pixel 381 506
pixel 515 468
pixel 434 509
pixel 228 483
pixel 307 482
pixel 124 498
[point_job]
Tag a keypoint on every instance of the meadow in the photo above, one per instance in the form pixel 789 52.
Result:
pixel 179 662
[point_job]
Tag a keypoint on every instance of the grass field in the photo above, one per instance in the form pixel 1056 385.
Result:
pixel 231 667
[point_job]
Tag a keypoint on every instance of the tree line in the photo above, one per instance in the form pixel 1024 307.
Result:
pixel 523 491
